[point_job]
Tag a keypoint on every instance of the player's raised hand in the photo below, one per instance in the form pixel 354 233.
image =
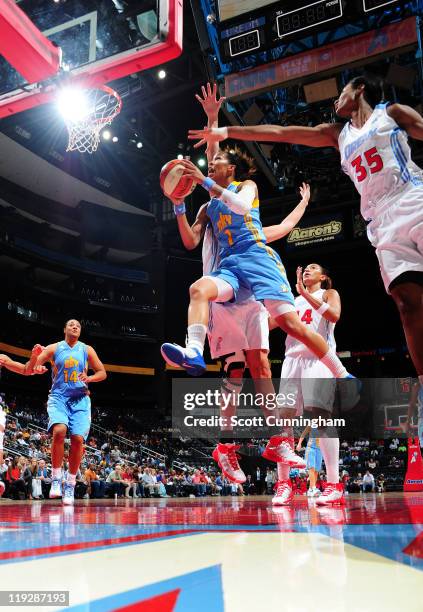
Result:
pixel 210 103
pixel 207 135
pixel 305 192
pixel 300 287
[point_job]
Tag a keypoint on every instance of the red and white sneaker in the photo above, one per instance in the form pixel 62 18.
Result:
pixel 283 493
pixel 2 488
pixel 281 450
pixel 333 494
pixel 227 459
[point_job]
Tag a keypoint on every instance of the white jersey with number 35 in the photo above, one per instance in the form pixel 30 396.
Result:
pixel 314 321
pixel 377 158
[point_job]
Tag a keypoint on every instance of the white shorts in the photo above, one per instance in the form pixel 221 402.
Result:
pixel 242 326
pixel 397 236
pixel 303 377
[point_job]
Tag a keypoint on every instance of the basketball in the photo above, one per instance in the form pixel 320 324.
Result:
pixel 173 184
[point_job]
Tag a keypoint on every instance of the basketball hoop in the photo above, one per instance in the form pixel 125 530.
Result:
pixel 101 105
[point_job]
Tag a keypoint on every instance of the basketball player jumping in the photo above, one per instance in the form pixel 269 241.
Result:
pixel 375 154
pixel 238 332
pixel 245 261
pixel 69 405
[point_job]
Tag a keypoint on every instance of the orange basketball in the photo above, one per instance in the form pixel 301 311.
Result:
pixel 172 182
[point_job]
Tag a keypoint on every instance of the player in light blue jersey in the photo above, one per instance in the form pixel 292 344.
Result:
pixel 69 405
pixel 246 261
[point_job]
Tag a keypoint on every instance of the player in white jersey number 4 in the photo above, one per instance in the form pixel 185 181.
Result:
pixel 376 155
pixel 318 306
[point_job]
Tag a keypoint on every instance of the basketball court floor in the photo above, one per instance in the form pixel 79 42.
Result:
pixel 218 554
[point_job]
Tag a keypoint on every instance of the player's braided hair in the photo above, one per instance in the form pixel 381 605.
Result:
pixel 244 164
pixel 373 88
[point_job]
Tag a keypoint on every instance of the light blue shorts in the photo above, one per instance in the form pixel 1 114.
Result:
pixel 313 457
pixel 74 412
pixel 258 269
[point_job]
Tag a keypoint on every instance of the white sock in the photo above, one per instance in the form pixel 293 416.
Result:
pixel 71 479
pixel 56 473
pixel 196 337
pixel 283 471
pixel 332 361
pixel 330 452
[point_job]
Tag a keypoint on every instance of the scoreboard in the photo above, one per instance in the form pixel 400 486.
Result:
pixel 253 26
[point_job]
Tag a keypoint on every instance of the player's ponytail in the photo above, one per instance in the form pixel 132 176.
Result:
pixel 327 282
pixel 244 165
pixel 373 88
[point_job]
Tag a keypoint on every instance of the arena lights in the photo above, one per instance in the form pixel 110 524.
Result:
pixel 180 156
pixel 161 74
pixel 201 162
pixel 139 145
pixel 73 104
pixel 115 139
pixel 106 134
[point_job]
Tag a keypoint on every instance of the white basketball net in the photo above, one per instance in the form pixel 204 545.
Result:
pixel 102 107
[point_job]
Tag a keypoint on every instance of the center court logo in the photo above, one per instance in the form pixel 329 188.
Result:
pixel 317 231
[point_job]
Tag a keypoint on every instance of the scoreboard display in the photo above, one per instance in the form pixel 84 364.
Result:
pixel 252 26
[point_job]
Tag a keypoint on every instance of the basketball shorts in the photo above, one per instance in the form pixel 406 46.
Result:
pixel 313 457
pixel 259 269
pixel 397 235
pixel 241 326
pixel 74 412
pixel 310 381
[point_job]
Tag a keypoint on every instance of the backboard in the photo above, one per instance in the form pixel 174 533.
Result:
pixel 94 42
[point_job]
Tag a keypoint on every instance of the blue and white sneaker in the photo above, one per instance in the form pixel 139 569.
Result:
pixel 68 494
pixel 176 356
pixel 349 389
pixel 55 489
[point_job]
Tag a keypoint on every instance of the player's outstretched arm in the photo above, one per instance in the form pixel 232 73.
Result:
pixel 12 366
pixel 275 232
pixel 96 365
pixel 408 119
pixel 211 106
pixel 323 135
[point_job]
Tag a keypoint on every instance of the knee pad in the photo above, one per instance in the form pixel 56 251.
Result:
pixel 234 361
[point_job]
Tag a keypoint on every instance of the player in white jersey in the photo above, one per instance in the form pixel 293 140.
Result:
pixel 416 404
pixel 375 154
pixel 319 306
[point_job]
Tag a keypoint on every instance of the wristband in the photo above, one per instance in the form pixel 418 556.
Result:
pixel 323 308
pixel 208 183
pixel 179 209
